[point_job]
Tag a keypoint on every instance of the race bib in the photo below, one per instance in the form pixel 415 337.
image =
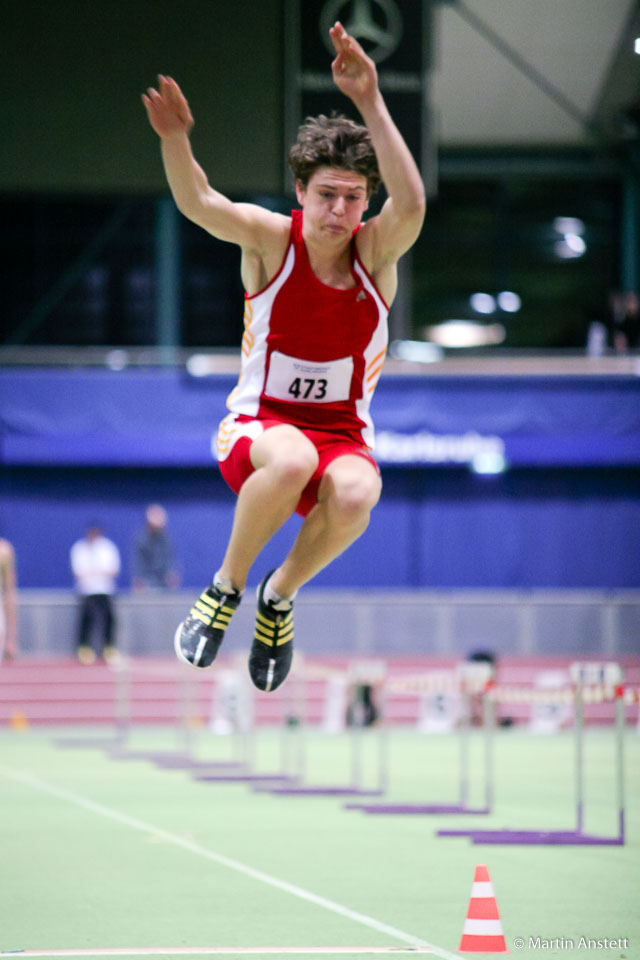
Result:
pixel 308 381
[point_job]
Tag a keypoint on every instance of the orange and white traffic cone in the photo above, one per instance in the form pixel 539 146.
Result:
pixel 482 931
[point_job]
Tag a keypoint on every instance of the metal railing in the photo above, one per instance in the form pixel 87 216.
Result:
pixel 530 623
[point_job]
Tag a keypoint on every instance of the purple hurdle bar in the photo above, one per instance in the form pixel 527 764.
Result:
pixel 575 837
pixel 320 791
pixel 454 809
pixel 416 808
pixel 537 837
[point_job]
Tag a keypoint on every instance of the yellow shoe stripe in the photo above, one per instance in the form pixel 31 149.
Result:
pixel 267 625
pixel 268 643
pixel 285 631
pixel 212 619
pixel 274 632
pixel 204 608
pixel 206 599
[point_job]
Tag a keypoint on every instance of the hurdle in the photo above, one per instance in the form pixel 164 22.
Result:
pixel 181 755
pixel 371 672
pixel 117 738
pixel 469 679
pixel 592 682
pixel 126 671
pixel 245 734
pixel 232 718
pixel 179 751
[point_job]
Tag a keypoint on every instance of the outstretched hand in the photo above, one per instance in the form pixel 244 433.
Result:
pixel 167 108
pixel 354 73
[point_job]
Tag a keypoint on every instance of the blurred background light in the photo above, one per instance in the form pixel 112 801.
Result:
pixel 199 365
pixel 570 247
pixel 566 225
pixel 457 334
pixel 489 462
pixel 482 303
pixel 417 351
pixel 575 243
pixel 117 359
pixel 572 244
pixel 509 301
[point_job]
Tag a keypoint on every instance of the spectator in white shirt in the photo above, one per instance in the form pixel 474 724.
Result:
pixel 95 562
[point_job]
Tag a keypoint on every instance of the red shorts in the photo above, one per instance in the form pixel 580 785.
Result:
pixel 237 433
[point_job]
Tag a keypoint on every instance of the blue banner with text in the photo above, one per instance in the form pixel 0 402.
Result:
pixel 164 417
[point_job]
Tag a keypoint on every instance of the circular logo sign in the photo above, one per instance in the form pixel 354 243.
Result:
pixel 376 24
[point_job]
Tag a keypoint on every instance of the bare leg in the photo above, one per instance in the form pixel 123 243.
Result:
pixel 349 490
pixel 285 462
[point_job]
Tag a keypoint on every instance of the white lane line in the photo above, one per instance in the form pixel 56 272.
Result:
pixel 30 780
pixel 209 951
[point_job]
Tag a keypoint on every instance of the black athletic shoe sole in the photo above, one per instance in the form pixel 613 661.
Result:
pixel 198 638
pixel 272 649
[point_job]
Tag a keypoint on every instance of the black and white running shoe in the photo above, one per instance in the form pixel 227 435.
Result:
pixel 198 638
pixel 272 649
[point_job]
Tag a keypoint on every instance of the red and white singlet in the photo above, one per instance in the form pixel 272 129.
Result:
pixel 311 354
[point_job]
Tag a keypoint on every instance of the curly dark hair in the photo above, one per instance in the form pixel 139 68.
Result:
pixel 334 141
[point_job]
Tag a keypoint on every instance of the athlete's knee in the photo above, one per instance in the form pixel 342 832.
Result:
pixel 287 455
pixel 293 469
pixel 352 498
pixel 292 463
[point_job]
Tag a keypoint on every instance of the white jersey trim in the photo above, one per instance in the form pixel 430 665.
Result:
pixel 374 356
pixel 245 397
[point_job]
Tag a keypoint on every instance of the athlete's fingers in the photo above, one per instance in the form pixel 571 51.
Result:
pixel 176 99
pixel 170 89
pixel 338 36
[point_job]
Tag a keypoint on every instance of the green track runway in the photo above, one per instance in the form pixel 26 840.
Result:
pixel 113 857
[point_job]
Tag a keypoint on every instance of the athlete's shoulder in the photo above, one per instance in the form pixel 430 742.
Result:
pixel 262 262
pixel 382 271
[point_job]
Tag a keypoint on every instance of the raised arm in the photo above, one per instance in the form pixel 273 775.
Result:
pixel 397 226
pixel 250 226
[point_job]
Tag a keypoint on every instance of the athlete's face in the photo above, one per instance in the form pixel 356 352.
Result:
pixel 333 202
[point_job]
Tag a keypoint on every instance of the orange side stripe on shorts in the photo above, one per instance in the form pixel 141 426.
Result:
pixel 375 373
pixel 375 360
